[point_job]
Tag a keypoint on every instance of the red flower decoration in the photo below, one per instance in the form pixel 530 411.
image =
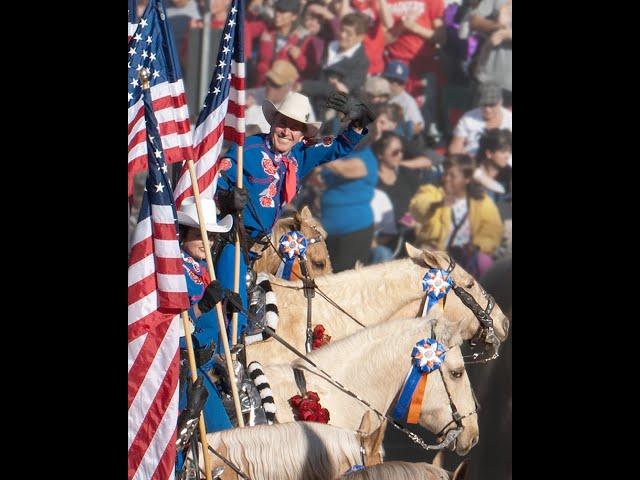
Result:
pixel 271 190
pixel 268 166
pixel 313 396
pixel 323 416
pixel 266 201
pixel 295 401
pixel 308 416
pixel 319 338
pixel 308 408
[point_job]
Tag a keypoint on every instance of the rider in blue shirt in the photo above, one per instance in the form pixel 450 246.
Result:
pixel 274 166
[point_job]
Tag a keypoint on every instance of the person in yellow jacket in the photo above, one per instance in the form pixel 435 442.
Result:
pixel 458 217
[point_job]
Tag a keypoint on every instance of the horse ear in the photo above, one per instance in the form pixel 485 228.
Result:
pixel 365 424
pixel 305 213
pixel 373 442
pixel 462 472
pixel 435 259
pixel 413 252
pixel 437 460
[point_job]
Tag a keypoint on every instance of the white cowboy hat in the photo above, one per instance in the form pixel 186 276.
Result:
pixel 295 106
pixel 187 215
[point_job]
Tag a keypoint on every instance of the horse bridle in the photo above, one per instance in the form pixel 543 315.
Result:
pixel 317 239
pixel 456 417
pixel 485 333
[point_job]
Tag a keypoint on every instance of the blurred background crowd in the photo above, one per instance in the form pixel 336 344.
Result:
pixel 435 168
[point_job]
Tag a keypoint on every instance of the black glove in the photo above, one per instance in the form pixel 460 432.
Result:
pixel 212 296
pixel 240 198
pixel 232 201
pixel 355 110
pixel 234 301
pixel 197 395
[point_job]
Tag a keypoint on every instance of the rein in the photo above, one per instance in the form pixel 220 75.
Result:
pixel 450 435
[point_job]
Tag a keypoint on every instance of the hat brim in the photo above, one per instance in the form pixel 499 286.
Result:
pixel 270 110
pixel 222 226
pixel 395 77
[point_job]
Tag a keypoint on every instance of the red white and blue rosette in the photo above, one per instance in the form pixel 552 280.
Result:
pixel 292 246
pixel 436 283
pixel 426 357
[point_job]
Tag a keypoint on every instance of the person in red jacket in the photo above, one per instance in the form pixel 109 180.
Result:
pixel 417 27
pixel 283 42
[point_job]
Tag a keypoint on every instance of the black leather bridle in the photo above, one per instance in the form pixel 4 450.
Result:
pixel 485 335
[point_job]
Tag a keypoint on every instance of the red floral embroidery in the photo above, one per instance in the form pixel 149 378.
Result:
pixel 269 167
pixel 271 190
pixel 225 164
pixel 267 201
pixel 308 408
pixel 319 338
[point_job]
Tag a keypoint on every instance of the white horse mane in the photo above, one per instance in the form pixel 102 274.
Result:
pixel 386 270
pixel 289 451
pixel 387 332
pixel 400 471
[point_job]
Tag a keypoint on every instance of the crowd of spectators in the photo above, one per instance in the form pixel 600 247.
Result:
pixel 435 168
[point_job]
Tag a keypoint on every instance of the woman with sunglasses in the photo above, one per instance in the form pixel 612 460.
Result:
pixel 398 183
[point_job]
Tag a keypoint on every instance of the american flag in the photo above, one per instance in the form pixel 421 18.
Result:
pixel 157 293
pixel 222 116
pixel 152 47
pixel 132 18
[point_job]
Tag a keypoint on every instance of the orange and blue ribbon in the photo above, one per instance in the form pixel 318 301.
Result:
pixel 292 246
pixel 436 283
pixel 426 357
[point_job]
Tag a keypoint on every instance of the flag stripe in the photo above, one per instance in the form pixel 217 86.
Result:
pixel 223 115
pixel 150 437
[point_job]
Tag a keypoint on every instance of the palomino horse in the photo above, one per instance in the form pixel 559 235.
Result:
pixel 409 471
pixel 317 262
pixel 372 294
pixel 296 450
pixel 373 363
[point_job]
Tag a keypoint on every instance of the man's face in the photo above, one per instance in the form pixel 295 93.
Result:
pixel 276 93
pixel 348 37
pixel 283 19
pixel 490 112
pixel 376 99
pixel 285 133
pixel 312 23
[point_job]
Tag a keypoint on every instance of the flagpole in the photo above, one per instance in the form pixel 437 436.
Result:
pixel 144 76
pixel 194 376
pixel 204 52
pixel 236 271
pixel 212 274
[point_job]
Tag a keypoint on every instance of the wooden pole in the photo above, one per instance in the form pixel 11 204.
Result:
pixel 194 376
pixel 236 271
pixel 212 274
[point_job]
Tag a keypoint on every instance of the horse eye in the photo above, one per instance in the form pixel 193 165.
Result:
pixel 457 373
pixel 318 264
pixel 470 284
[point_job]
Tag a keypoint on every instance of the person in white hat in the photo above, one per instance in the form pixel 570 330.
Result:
pixel 204 294
pixel 274 164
